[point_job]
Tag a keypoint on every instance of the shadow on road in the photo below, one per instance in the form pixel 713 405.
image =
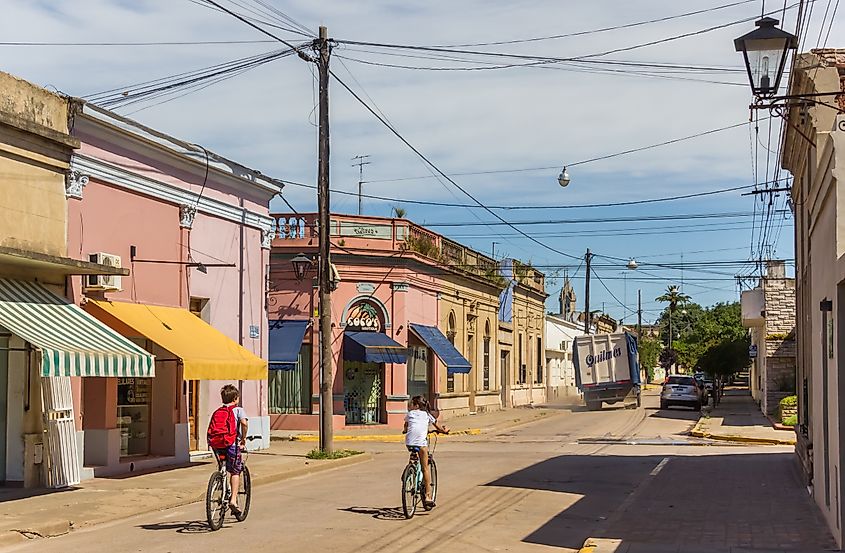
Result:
pixel 187 527
pixel 675 413
pixel 379 513
pixel 741 498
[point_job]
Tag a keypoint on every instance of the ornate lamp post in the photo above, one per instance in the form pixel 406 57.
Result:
pixel 301 264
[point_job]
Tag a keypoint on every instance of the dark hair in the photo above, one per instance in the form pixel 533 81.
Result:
pixel 229 393
pixel 420 401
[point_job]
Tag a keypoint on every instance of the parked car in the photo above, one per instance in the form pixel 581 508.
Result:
pixel 680 389
pixel 701 381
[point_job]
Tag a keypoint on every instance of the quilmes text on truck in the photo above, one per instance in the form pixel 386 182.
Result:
pixel 607 369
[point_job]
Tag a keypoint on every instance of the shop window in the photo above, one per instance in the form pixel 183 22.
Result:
pixel 290 391
pixel 134 398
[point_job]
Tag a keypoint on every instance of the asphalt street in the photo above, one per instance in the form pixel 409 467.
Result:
pixel 626 474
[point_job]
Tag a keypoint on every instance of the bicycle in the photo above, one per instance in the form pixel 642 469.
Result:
pixel 219 491
pixel 413 491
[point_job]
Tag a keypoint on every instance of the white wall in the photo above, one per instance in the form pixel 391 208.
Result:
pixel 560 367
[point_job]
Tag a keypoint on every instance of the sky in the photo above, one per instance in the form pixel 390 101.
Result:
pixel 489 118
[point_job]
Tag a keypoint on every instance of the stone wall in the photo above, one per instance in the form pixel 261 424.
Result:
pixel 780 348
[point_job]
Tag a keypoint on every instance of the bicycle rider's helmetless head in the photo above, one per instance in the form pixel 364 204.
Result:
pixel 419 402
pixel 229 394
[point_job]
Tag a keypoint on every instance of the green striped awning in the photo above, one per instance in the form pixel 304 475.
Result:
pixel 71 342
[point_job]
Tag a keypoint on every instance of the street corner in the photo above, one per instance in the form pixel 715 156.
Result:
pixel 600 545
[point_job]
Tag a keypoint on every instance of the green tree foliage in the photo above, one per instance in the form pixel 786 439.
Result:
pixel 668 357
pixel 649 349
pixel 709 339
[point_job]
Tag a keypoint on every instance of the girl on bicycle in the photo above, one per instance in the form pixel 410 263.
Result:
pixel 417 421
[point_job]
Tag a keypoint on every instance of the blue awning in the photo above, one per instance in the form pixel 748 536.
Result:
pixel 372 347
pixel 443 348
pixel 285 342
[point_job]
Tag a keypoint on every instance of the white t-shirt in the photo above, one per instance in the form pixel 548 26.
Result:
pixel 418 421
pixel 239 413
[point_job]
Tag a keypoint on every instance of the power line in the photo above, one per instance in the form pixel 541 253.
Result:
pixel 582 162
pixel 602 29
pixel 670 217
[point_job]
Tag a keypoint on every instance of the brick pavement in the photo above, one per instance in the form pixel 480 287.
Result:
pixel 721 503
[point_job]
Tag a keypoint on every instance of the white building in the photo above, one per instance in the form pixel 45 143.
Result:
pixel 560 334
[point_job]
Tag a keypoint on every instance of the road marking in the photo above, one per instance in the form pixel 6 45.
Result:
pixel 659 467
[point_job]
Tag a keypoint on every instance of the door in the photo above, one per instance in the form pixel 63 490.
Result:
pixel 4 387
pixel 504 380
pixel 193 414
pixel 418 372
pixel 62 453
pixel 362 397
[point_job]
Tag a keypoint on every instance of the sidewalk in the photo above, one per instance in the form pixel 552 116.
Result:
pixel 460 425
pixel 738 419
pixel 25 516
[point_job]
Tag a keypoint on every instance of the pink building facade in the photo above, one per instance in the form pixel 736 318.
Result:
pixel 194 230
pixel 398 286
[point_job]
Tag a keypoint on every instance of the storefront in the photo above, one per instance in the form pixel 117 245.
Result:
pixel 46 336
pixel 290 379
pixel 136 424
pixel 439 345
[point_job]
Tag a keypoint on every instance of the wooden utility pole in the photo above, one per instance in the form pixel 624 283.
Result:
pixel 587 316
pixel 639 315
pixel 325 267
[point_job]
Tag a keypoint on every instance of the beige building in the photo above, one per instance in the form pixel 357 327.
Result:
pixel 769 311
pixel 522 335
pixel 813 149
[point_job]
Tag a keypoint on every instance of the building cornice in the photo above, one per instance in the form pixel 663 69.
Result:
pixel 118 176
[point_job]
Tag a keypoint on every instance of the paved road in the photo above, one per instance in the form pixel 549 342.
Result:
pixel 545 486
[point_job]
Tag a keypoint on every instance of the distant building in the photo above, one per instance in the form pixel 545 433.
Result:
pixel 560 335
pixel 769 311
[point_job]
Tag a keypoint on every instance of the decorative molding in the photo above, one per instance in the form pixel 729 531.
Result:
pixel 186 215
pixel 400 286
pixel 75 181
pixel 129 180
pixel 267 235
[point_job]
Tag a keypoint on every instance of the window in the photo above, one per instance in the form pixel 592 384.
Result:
pixel 450 334
pixel 538 376
pixel 486 361
pixel 520 379
pixel 290 391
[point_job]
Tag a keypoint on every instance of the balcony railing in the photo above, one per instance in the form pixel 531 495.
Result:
pixel 380 233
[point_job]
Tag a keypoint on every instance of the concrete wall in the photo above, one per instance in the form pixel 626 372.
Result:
pixel 560 334
pixel 34 154
pixel 529 322
pixel 817 168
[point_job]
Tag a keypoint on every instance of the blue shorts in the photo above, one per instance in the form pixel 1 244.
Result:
pixel 232 455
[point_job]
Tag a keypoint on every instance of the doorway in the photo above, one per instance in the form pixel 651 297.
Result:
pixel 193 414
pixel 419 372
pixel 4 387
pixel 504 371
pixel 363 392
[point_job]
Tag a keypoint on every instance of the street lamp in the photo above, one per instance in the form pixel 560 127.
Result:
pixel 563 179
pixel 765 50
pixel 632 264
pixel 301 264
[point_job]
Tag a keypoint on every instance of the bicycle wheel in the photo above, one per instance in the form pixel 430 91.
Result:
pixel 433 468
pixel 409 490
pixel 215 501
pixel 244 494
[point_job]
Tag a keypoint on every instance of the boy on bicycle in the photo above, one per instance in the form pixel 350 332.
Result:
pixel 417 420
pixel 227 437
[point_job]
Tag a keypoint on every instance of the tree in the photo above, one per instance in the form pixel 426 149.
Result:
pixel 668 357
pixel 649 349
pixel 673 297
pixel 400 212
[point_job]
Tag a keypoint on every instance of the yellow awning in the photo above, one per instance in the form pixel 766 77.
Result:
pixel 206 353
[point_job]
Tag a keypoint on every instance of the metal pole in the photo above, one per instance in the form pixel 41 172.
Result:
pixel 639 315
pixel 587 317
pixel 325 273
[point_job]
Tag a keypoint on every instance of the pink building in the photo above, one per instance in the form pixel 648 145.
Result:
pixel 413 313
pixel 193 228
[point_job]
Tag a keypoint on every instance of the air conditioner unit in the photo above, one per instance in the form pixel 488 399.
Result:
pixel 104 282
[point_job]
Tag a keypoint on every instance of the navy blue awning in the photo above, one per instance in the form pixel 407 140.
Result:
pixel 285 342
pixel 372 347
pixel 443 348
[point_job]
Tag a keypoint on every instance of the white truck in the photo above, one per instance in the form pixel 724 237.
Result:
pixel 607 368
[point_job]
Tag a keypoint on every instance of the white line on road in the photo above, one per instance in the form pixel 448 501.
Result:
pixel 659 467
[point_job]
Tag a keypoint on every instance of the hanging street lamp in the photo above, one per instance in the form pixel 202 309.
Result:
pixel 563 179
pixel 301 264
pixel 765 50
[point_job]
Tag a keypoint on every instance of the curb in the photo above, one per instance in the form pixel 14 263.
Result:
pixel 55 528
pixel 697 432
pixel 599 545
pixel 377 437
